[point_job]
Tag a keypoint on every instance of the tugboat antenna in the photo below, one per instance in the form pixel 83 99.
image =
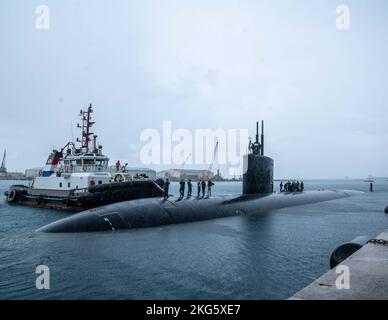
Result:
pixel 86 125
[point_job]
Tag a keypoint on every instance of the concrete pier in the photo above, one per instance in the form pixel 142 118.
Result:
pixel 368 277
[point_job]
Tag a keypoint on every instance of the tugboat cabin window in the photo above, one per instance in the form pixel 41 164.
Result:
pixel 75 163
pixel 89 161
pixel 100 163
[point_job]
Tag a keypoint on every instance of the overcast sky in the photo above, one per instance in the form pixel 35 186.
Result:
pixel 200 64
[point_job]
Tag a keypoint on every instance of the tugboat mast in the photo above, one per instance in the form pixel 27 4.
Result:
pixel 87 123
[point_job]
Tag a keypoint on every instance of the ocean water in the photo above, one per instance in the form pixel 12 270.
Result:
pixel 271 255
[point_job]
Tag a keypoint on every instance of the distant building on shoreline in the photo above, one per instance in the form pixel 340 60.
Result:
pixel 12 176
pixel 177 174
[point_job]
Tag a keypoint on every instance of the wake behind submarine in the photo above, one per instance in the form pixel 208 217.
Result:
pixel 257 197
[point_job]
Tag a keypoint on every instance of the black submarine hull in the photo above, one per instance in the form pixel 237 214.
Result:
pixel 146 213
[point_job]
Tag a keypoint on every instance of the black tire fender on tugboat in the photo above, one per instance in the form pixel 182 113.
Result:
pixel 38 200
pixel 13 196
pixel 66 202
pixel 119 177
pixel 80 201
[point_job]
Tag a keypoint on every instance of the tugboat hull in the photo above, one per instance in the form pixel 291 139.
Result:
pixel 80 200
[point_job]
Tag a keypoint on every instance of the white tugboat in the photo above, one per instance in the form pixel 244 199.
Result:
pixel 79 178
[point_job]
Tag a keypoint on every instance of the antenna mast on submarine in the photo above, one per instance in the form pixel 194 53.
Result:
pixel 262 137
pixel 257 148
pixel 257 133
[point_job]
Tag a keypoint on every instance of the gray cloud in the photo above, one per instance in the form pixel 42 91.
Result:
pixel 199 64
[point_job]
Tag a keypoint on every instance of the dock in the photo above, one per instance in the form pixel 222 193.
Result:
pixel 368 276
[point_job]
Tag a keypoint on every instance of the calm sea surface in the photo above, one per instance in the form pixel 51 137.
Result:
pixel 271 255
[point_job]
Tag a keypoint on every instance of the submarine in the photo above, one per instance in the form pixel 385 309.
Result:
pixel 257 196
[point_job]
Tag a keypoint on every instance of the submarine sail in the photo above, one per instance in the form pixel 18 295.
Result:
pixel 257 168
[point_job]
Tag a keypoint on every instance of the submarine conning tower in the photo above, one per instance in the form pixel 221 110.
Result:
pixel 258 169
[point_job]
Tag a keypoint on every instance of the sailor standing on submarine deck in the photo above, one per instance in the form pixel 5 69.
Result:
pixel 166 187
pixel 209 187
pixel 182 188
pixel 203 185
pixel 190 188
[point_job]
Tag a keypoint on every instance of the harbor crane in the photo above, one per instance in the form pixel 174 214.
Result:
pixel 3 169
pixel 214 156
pixel 184 162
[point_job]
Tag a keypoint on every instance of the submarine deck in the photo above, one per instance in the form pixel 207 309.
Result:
pixel 153 212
